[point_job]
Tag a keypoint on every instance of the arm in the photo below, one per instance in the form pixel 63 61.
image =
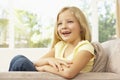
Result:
pixel 49 59
pixel 78 64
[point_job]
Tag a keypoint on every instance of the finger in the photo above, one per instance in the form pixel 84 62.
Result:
pixel 68 61
pixel 65 63
pixel 39 69
pixel 59 66
pixel 54 66
pixel 36 68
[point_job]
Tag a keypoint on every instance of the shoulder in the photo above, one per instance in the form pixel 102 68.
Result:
pixel 85 45
pixel 60 44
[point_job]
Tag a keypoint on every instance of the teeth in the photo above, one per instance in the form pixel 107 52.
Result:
pixel 66 33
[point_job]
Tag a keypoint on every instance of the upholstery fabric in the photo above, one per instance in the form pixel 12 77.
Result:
pixel 100 58
pixel 112 48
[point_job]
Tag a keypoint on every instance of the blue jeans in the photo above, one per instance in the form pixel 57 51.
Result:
pixel 21 63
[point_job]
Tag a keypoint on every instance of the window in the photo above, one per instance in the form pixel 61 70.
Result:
pixel 31 26
pixel 107 21
pixel 3 26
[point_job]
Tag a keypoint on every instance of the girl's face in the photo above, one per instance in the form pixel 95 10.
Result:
pixel 68 27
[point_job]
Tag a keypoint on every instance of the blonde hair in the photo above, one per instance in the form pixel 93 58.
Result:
pixel 85 34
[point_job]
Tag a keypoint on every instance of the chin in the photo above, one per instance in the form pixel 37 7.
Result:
pixel 66 40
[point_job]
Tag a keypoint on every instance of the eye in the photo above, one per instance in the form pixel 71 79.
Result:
pixel 70 21
pixel 59 24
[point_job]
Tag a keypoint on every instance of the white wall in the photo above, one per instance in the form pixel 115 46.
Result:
pixel 7 54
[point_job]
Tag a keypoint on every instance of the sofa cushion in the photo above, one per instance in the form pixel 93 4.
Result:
pixel 100 58
pixel 112 48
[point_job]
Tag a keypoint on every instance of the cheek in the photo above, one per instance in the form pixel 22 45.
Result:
pixel 58 31
pixel 76 29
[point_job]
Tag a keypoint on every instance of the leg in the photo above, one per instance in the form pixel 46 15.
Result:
pixel 14 60
pixel 21 63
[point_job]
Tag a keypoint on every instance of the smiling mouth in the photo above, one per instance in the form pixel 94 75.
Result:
pixel 66 33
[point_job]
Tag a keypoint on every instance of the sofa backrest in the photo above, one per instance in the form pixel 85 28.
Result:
pixel 112 49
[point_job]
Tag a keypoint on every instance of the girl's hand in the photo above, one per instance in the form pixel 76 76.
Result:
pixel 45 68
pixel 40 69
pixel 58 63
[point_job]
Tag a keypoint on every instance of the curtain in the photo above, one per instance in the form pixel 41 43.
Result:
pixel 118 18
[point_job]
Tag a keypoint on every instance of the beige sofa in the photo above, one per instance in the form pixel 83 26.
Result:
pixel 112 69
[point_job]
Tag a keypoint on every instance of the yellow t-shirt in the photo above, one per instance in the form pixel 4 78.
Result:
pixel 83 45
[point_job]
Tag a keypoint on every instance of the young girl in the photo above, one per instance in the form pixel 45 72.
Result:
pixel 71 52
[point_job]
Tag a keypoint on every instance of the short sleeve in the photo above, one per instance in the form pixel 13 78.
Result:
pixel 59 45
pixel 86 45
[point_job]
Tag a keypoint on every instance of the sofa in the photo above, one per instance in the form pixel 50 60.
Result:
pixel 111 71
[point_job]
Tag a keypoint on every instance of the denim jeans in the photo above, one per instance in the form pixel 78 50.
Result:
pixel 21 63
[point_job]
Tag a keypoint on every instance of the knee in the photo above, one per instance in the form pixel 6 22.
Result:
pixel 19 63
pixel 20 59
pixel 17 57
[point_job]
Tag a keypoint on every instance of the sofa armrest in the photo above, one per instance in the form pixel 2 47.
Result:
pixel 50 76
pixel 97 76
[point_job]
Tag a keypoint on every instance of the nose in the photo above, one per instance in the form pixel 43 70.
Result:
pixel 64 26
